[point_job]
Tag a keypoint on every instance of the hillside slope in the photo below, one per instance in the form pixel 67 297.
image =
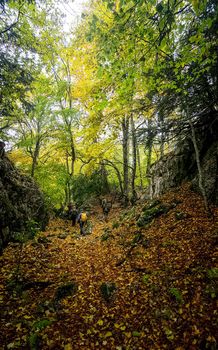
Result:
pixel 125 286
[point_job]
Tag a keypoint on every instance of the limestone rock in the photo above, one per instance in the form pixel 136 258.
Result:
pixel 210 174
pixel 21 202
pixel 180 164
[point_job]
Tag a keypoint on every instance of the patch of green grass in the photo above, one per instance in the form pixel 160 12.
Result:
pixel 176 294
pixel 212 274
pixel 41 324
pixel 145 279
pixel 115 225
pixel 34 341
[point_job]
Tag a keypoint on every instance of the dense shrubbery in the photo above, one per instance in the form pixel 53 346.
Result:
pixel 86 187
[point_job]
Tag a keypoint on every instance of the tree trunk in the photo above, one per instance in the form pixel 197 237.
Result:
pixel 35 157
pixel 104 178
pixel 109 163
pixel 68 121
pixel 162 135
pixel 125 144
pixel 149 149
pixel 200 176
pixel 139 166
pixel 134 161
pixel 67 188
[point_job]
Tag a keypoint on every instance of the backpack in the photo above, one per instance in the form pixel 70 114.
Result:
pixel 83 217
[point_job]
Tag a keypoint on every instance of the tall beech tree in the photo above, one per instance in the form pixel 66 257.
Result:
pixel 34 128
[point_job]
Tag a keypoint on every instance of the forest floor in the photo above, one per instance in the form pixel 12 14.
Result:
pixel 121 287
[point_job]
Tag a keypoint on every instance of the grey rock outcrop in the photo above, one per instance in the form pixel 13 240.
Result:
pixel 180 165
pixel 210 174
pixel 21 202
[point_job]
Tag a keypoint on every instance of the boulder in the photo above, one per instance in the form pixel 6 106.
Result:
pixel 22 204
pixel 172 169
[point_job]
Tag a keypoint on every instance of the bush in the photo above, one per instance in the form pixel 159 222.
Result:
pixel 86 187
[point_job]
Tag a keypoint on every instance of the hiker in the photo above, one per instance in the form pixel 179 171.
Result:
pixel 106 207
pixel 103 202
pixel 69 210
pixel 74 215
pixel 82 220
pixel 106 211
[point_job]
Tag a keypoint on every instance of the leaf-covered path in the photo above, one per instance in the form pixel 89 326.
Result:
pixel 164 280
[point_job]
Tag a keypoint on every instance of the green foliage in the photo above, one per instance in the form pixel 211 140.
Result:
pixel 137 238
pixel 32 228
pixel 51 178
pixel 212 285
pixel 151 71
pixel 107 234
pixel 17 63
pixel 84 187
pixel 34 341
pixel 151 204
pixel 136 334
pixel 153 210
pixel 131 213
pixel 115 224
pixel 145 279
pixel 176 294
pixel 89 227
pixel 212 274
pixel 29 232
pixel 41 324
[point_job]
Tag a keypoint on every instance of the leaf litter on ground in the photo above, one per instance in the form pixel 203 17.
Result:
pixel 163 280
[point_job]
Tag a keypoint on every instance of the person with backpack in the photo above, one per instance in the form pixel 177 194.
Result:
pixel 106 207
pixel 74 215
pixel 69 210
pixel 82 220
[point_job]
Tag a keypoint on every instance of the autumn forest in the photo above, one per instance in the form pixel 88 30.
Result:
pixel 112 112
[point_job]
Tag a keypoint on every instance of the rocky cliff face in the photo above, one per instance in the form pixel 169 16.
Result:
pixel 180 165
pixel 21 203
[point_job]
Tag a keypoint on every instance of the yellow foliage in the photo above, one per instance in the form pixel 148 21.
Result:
pixel 19 157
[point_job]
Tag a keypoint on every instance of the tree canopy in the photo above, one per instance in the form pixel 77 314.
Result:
pixel 109 97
